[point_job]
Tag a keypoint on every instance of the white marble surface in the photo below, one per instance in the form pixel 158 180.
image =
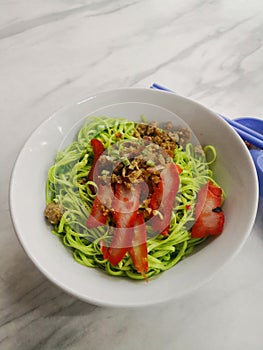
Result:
pixel 56 52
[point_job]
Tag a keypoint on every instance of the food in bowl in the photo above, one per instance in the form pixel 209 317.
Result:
pixel 91 284
pixel 133 198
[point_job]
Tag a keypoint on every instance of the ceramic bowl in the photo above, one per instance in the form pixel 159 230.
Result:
pixel 233 170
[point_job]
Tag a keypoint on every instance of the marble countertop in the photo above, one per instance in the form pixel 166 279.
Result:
pixel 56 52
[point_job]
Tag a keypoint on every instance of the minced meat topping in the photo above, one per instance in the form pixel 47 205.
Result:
pixel 53 213
pixel 166 136
pixel 143 158
pixel 134 161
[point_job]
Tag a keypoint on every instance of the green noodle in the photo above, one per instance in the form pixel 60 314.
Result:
pixel 64 186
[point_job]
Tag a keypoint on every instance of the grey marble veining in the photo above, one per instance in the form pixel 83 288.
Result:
pixel 90 9
pixel 53 53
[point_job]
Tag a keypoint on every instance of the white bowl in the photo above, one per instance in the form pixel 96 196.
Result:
pixel 234 171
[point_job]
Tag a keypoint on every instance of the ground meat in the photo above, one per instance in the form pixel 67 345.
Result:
pixel 158 136
pixel 138 161
pixel 134 161
pixel 199 150
pixel 53 213
pixel 166 135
